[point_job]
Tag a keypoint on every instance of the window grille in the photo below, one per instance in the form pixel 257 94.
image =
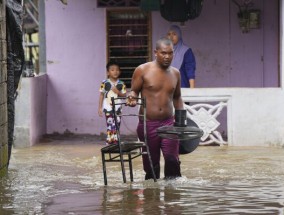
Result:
pixel 128 40
pixel 118 3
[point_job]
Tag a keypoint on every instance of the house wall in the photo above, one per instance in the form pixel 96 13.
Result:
pixel 76 58
pixel 23 113
pixel 38 108
pixel 3 92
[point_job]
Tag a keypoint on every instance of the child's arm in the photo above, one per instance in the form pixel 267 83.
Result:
pixel 100 110
pixel 119 93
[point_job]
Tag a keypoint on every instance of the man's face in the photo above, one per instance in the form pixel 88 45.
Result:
pixel 164 55
pixel 173 36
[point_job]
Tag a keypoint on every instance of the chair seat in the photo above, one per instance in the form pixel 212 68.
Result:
pixel 126 147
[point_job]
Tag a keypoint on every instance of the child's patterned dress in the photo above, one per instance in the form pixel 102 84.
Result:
pixel 105 88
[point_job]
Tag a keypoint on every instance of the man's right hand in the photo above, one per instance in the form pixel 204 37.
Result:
pixel 131 101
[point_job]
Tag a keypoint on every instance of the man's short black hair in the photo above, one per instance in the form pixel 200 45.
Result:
pixel 163 40
pixel 112 63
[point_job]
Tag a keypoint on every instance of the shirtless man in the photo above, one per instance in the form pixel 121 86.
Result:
pixel 159 83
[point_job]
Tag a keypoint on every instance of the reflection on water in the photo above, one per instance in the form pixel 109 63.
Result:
pixel 65 177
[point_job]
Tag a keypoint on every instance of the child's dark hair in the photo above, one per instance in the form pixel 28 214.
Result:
pixel 112 63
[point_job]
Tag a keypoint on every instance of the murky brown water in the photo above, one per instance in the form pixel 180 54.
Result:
pixel 65 177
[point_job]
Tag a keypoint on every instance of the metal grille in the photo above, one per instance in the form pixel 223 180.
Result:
pixel 118 3
pixel 129 41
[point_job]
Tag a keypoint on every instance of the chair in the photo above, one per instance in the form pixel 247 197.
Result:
pixel 126 151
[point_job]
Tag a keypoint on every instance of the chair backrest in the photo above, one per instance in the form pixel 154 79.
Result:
pixel 128 111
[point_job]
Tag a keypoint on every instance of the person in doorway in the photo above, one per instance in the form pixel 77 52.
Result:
pixel 184 59
pixel 159 83
pixel 111 87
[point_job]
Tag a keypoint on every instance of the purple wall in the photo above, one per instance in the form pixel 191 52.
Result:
pixel 76 56
pixel 225 56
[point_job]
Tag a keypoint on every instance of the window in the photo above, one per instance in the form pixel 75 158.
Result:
pixel 118 3
pixel 129 41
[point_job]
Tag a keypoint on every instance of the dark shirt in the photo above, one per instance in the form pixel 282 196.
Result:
pixel 187 69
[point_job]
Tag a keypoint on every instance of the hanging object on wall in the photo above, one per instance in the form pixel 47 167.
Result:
pixel 180 10
pixel 254 19
pixel 194 8
pixel 248 18
pixel 64 2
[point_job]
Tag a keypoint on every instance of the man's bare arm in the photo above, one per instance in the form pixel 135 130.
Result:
pixel 136 86
pixel 177 100
pixel 137 80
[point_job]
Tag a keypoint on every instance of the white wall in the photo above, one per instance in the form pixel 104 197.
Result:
pixel 255 116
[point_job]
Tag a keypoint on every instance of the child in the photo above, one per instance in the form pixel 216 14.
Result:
pixel 111 87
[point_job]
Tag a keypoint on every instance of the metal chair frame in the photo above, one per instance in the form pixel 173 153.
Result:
pixel 128 150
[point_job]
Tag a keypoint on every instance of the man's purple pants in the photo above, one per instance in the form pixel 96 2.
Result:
pixel 169 148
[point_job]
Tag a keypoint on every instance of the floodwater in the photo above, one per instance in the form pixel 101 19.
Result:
pixel 64 176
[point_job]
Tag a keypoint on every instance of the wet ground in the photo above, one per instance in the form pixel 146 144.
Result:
pixel 64 176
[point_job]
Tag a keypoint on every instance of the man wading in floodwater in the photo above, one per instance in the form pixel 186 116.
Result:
pixel 159 83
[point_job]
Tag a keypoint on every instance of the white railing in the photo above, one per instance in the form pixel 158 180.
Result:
pixel 205 116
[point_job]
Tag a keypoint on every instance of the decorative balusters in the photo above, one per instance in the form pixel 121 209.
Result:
pixel 205 116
